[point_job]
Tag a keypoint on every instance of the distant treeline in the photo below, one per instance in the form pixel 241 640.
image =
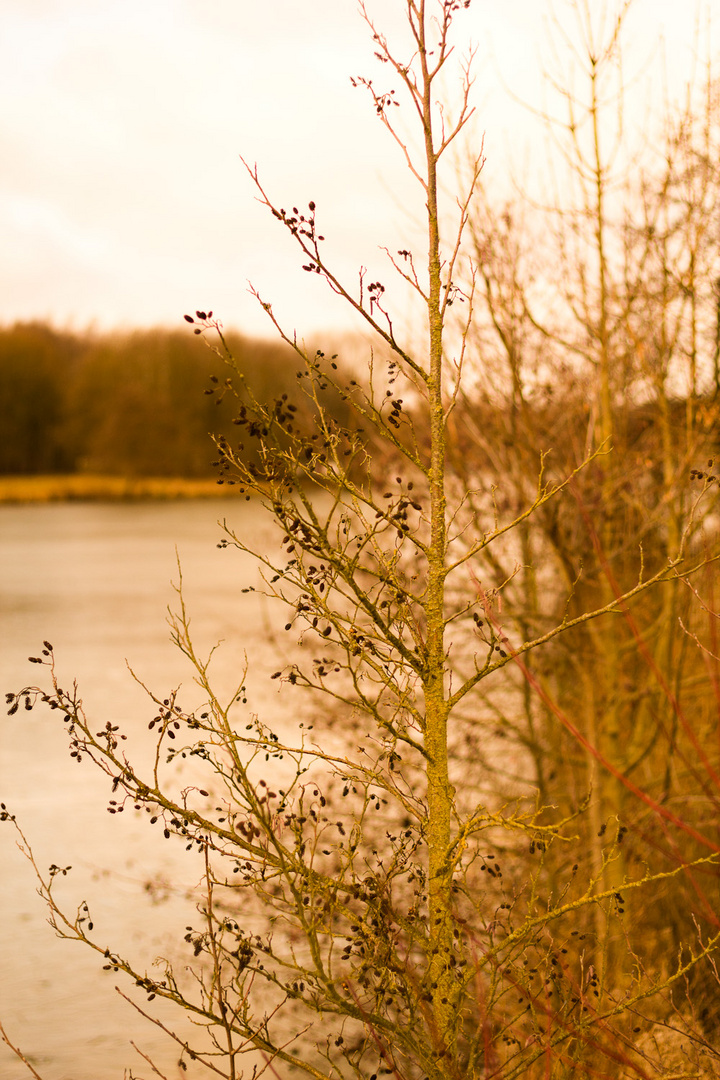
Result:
pixel 130 404
pixel 136 404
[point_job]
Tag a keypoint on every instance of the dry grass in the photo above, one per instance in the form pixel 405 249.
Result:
pixel 25 489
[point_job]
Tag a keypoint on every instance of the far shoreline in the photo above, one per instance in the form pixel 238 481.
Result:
pixel 90 487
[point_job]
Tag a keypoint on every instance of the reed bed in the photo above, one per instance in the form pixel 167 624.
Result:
pixel 89 487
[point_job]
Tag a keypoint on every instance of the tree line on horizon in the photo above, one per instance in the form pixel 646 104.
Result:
pixel 144 402
pixel 132 403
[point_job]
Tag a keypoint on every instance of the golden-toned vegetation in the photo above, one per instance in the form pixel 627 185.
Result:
pixel 89 486
pixel 503 862
pixel 125 405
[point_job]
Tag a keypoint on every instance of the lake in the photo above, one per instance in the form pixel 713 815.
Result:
pixel 95 579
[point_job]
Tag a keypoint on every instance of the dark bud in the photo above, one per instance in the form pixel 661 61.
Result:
pixel 201 315
pixel 311 204
pixel 188 318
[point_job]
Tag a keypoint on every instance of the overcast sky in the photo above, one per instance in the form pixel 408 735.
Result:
pixel 122 197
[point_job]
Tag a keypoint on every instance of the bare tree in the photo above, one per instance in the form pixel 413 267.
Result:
pixel 412 927
pixel 599 312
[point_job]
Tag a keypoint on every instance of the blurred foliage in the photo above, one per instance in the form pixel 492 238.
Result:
pixel 38 366
pixel 123 404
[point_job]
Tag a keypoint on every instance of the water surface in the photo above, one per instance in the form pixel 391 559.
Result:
pixel 96 581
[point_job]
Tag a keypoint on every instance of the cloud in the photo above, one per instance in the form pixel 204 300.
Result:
pixel 121 126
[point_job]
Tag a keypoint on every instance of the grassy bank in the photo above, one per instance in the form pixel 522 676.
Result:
pixel 24 489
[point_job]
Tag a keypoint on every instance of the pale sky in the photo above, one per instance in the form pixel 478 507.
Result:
pixel 123 201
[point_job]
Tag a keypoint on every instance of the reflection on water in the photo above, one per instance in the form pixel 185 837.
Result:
pixel 95 580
